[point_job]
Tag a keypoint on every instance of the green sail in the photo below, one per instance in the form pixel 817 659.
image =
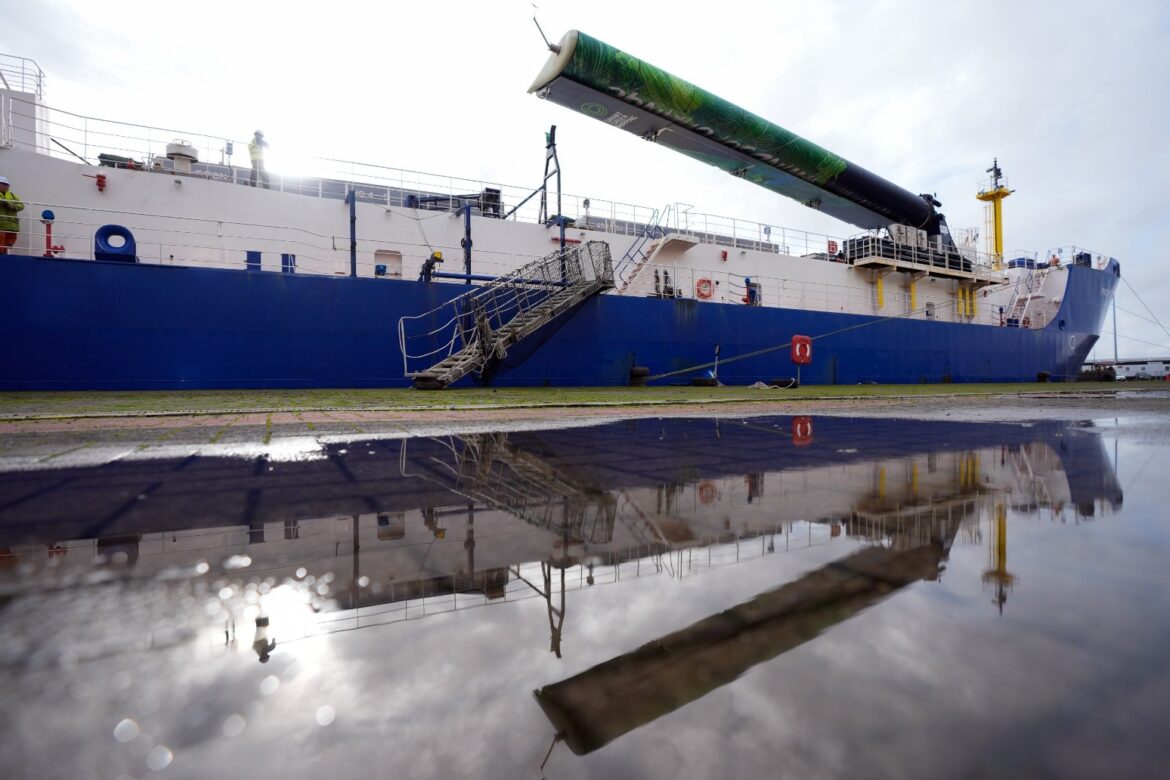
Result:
pixel 609 85
pixel 608 69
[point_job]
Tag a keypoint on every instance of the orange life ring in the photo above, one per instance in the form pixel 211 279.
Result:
pixel 706 492
pixel 1027 323
pixel 801 350
pixel 802 431
pixel 704 288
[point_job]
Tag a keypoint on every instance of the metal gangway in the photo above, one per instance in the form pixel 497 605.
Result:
pixel 472 331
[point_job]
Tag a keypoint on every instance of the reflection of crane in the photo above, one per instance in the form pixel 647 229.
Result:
pixel 997 559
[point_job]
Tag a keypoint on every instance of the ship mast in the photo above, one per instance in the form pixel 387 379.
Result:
pixel 995 195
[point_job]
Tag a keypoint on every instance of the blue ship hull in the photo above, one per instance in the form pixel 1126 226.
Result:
pixel 86 325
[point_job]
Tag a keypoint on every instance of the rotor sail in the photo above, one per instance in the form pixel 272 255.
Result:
pixel 603 82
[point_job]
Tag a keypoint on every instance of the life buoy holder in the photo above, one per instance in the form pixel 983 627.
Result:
pixel 706 492
pixel 704 288
pixel 802 431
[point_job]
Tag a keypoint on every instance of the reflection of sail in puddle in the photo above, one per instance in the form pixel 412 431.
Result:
pixel 603 703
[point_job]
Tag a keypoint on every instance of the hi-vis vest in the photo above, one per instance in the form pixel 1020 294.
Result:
pixel 12 204
pixel 255 150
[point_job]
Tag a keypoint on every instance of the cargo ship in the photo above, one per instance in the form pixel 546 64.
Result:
pixel 146 258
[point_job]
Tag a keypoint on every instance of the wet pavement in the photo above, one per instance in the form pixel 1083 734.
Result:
pixel 975 590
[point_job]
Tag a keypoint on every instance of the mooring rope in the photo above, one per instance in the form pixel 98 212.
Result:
pixel 1143 303
pixel 788 344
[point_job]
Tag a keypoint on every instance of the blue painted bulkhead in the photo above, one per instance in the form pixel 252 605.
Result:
pixel 80 324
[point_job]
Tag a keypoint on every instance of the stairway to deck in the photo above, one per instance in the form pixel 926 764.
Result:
pixel 638 255
pixel 478 327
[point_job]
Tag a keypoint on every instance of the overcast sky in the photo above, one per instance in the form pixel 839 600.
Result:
pixel 1073 98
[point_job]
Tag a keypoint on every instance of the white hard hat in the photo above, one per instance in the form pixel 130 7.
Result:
pixel 3 180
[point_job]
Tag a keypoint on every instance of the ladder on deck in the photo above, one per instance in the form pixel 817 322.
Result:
pixel 1024 295
pixel 636 257
pixel 477 328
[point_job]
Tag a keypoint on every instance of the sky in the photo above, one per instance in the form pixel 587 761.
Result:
pixel 1072 97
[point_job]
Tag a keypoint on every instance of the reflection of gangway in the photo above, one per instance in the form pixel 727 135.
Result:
pixel 477 328
pixel 1027 477
pixel 488 469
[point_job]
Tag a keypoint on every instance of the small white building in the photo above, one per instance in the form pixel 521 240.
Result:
pixel 1136 368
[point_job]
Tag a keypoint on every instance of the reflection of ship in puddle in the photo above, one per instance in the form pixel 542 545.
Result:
pixel 913 509
pixel 390 530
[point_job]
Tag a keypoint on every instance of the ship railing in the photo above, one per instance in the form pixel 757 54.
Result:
pixel 408 599
pixel 183 240
pixel 76 137
pixel 1075 255
pixel 964 259
pixel 729 287
pixel 79 138
pixel 178 240
pixel 19 74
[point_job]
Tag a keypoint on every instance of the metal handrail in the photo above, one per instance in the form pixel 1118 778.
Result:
pixel 20 74
pixel 471 323
pixel 627 268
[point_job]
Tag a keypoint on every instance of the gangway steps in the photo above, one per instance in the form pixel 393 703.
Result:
pixel 505 336
pixel 485 322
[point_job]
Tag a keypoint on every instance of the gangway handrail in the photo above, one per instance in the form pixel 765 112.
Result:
pixel 479 325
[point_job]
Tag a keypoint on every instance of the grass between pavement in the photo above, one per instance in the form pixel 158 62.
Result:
pixel 40 405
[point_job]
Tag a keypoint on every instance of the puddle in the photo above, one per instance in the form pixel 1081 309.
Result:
pixel 654 597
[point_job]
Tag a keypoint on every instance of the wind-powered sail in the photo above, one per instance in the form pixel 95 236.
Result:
pixel 603 82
